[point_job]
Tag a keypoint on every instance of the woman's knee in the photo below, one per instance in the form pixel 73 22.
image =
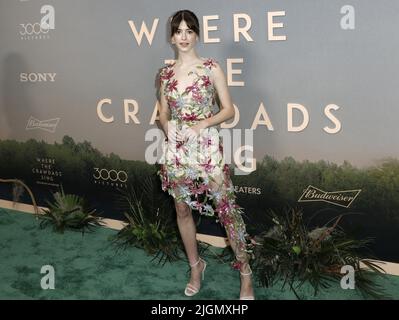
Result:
pixel 182 210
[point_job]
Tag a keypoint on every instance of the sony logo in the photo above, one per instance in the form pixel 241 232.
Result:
pixel 37 77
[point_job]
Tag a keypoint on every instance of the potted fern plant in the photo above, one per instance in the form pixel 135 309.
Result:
pixel 290 252
pixel 68 211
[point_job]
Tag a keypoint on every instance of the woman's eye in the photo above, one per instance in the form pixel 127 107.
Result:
pixel 189 31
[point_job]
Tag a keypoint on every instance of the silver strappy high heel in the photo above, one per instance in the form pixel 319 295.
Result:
pixel 190 289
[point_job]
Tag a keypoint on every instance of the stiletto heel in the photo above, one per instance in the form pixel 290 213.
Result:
pixel 190 289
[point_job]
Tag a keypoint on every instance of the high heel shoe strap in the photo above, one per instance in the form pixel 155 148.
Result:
pixel 246 273
pixel 195 263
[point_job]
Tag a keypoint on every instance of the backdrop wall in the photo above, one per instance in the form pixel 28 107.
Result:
pixel 314 81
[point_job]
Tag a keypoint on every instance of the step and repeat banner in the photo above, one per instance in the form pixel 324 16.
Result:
pixel 314 84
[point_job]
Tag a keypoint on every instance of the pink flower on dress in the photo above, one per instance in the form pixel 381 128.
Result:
pixel 207 166
pixel 164 177
pixel 223 209
pixel 206 81
pixel 197 97
pixel 223 206
pixel 187 181
pixel 194 87
pixel 210 63
pixel 225 219
pixel 200 189
pixel 165 75
pixel 172 86
pixel 176 161
pixel 172 103
pixel 179 144
pixel 190 117
pixel 197 205
pixel 237 265
pixel 173 184
pixel 207 141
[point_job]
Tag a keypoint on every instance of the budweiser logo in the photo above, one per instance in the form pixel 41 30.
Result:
pixel 339 198
pixel 47 125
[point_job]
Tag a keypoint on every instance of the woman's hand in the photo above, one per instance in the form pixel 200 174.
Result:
pixel 173 133
pixel 193 132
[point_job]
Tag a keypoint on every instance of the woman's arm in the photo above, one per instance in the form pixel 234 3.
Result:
pixel 164 112
pixel 170 131
pixel 226 105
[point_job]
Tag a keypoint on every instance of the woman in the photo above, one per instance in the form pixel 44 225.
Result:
pixel 193 170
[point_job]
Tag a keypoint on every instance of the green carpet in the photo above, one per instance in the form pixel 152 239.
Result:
pixel 91 267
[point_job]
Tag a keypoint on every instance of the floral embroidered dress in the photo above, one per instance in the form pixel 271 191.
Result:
pixel 195 171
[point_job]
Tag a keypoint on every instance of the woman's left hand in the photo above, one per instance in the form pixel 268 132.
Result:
pixel 193 132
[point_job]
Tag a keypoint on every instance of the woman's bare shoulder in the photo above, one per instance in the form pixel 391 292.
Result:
pixel 214 68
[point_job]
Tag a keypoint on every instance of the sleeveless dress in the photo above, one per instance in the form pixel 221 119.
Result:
pixel 195 171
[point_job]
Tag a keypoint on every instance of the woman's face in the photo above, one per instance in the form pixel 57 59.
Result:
pixel 184 38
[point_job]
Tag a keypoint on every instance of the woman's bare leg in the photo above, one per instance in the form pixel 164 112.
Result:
pixel 187 229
